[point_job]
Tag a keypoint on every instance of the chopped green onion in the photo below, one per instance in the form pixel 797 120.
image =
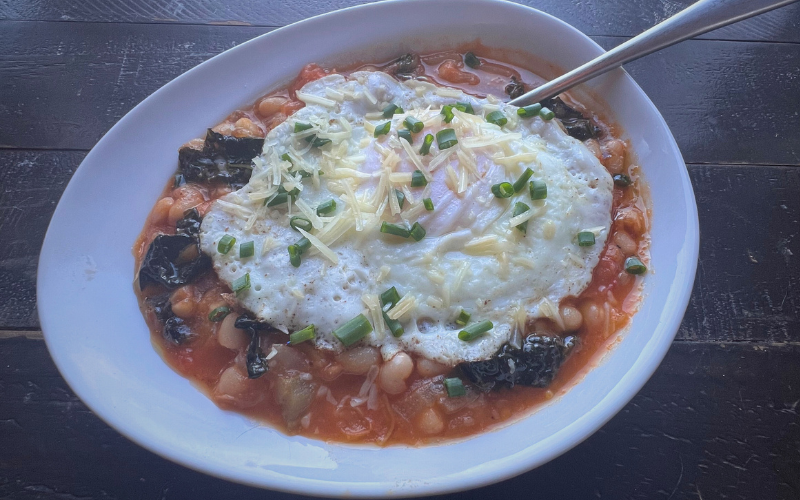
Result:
pixel 585 238
pixel 395 230
pixel 225 244
pixel 523 179
pixel 382 129
pixel 426 145
pixel 465 107
pixel 413 124
pixel 241 284
pixel 521 208
pixel 247 249
pixel 316 141
pixel 401 198
pixel 447 112
pixel 530 111
pixel 307 333
pixel 279 199
pixel 622 180
pixel 296 250
pixel 353 331
pixel 546 114
pixel 303 173
pixel 446 138
pixel 503 190
pixel 286 157
pixel 417 231
pixel 300 127
pixel 428 204
pixel 391 110
pixel 394 326
pixel 471 60
pixel 300 222
pixel 463 318
pixel 390 296
pixel 405 134
pixel 634 266
pixel 538 190
pixel 497 117
pixel 418 179
pixel 293 193
pixel 475 330
pixel 326 207
pixel 455 387
pixel 219 313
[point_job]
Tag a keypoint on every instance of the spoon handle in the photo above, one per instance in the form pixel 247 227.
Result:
pixel 698 18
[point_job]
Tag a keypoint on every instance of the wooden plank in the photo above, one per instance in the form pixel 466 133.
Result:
pixel 726 102
pixel 601 17
pixel 715 421
pixel 747 286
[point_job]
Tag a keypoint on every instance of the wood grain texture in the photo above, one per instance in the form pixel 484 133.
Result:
pixel 726 102
pixel 598 18
pixel 705 426
pixel 747 286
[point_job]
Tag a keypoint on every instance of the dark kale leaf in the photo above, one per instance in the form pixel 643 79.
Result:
pixel 190 223
pixel 172 261
pixel 535 364
pixel 248 322
pixel 223 158
pixel 515 89
pixel 580 128
pixel 175 329
pixel 256 362
pixel 405 67
pixel 561 109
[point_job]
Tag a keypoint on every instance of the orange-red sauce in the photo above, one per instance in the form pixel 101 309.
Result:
pixel 606 305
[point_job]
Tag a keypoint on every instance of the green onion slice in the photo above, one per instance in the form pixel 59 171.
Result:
pixel 428 204
pixel 307 333
pixel 475 330
pixel 296 250
pixel 391 110
pixel 382 129
pixel 447 112
pixel 417 231
pixel 405 134
pixel 353 331
pixel 455 387
pixel 418 179
pixel 446 138
pixel 300 222
pixel 521 208
pixel 317 142
pixel 247 249
pixel 241 284
pixel 225 244
pixel 395 230
pixel 413 124
pixel 326 207
pixel 529 111
pixel 401 198
pixel 300 127
pixel 219 313
pixel 523 179
pixel 538 190
pixel 390 296
pixel 426 145
pixel 286 157
pixel 394 326
pixel 622 180
pixel 634 266
pixel 546 114
pixel 463 318
pixel 471 60
pixel 279 199
pixel 497 117
pixel 585 238
pixel 465 107
pixel 503 190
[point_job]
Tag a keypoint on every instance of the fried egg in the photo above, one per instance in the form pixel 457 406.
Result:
pixel 473 257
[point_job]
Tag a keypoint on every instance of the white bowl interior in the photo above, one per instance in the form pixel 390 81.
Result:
pixel 99 341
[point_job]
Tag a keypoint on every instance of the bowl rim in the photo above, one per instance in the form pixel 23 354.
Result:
pixel 576 432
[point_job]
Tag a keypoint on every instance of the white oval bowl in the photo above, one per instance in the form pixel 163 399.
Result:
pixel 101 344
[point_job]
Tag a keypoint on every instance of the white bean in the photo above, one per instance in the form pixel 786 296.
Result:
pixel 231 337
pixel 430 422
pixel 572 317
pixel 428 368
pixel 625 243
pixel 393 374
pixel 359 360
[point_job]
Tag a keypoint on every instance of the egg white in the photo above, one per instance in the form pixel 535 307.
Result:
pixel 470 259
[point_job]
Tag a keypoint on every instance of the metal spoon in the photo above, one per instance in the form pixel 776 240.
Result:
pixel 698 18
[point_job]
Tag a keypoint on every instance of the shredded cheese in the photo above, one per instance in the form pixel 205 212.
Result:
pixel 321 247
pixel 404 306
pixel 314 99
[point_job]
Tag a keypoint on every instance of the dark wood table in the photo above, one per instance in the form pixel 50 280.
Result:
pixel 719 419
